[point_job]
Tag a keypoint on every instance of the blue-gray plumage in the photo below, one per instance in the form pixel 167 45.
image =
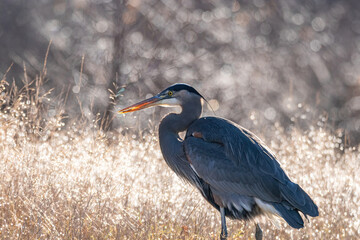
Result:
pixel 231 167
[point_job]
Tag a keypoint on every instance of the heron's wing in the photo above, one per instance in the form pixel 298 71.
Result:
pixel 232 159
pixel 211 163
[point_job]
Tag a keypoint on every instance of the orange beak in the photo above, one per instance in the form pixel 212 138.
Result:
pixel 141 105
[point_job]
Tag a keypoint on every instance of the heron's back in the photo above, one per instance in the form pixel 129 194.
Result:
pixel 242 172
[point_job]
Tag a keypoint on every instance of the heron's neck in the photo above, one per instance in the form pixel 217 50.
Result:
pixel 175 123
pixel 171 143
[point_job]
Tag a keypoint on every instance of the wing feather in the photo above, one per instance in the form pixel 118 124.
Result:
pixel 232 159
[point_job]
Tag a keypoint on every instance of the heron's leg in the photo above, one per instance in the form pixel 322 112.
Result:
pixel 258 232
pixel 223 234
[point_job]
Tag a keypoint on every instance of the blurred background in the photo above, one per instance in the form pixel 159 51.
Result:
pixel 293 62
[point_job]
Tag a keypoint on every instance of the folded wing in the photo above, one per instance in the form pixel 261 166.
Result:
pixel 231 159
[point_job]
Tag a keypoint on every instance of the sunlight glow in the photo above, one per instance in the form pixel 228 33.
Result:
pixel 74 181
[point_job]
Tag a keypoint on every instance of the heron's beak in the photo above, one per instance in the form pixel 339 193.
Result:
pixel 141 105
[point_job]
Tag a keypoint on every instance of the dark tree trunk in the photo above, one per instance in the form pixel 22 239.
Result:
pixel 118 52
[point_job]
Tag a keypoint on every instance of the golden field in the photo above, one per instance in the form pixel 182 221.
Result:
pixel 74 181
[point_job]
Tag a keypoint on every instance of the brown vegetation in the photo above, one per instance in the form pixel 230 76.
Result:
pixel 73 181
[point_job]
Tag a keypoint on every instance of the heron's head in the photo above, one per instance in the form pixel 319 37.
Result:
pixel 175 95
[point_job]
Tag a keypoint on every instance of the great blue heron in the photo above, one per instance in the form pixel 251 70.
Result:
pixel 232 169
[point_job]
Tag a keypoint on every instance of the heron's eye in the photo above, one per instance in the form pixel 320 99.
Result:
pixel 170 93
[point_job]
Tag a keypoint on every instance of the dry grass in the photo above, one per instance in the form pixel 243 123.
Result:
pixel 74 182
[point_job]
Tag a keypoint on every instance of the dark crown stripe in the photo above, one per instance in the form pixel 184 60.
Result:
pixel 182 86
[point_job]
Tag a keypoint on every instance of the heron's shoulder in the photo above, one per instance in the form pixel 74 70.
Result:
pixel 220 130
pixel 218 125
pixel 230 134
pixel 214 122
